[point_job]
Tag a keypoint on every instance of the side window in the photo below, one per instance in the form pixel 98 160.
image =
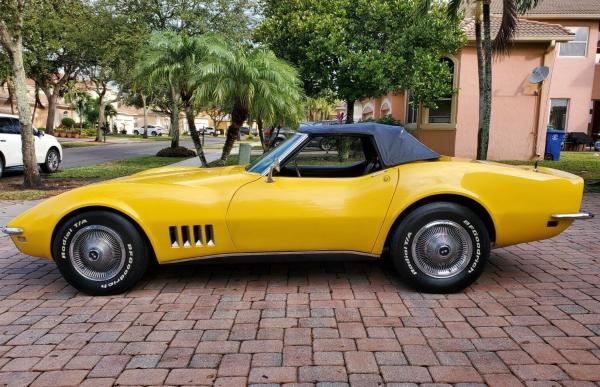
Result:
pixel 4 125
pixel 9 126
pixel 334 156
pixel 15 126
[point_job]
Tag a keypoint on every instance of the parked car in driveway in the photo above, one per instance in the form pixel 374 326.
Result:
pixel 48 150
pixel 153 130
pixel 437 217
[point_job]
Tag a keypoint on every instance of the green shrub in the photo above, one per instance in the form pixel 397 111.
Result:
pixel 386 120
pixel 176 152
pixel 67 122
pixel 88 132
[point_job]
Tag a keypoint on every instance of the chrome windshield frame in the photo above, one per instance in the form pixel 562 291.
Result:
pixel 300 139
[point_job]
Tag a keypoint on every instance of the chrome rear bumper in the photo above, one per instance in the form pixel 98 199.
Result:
pixel 12 230
pixel 574 216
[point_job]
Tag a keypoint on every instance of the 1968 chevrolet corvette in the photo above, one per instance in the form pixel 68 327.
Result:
pixel 374 187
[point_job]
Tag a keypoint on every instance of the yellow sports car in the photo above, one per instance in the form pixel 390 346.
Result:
pixel 370 188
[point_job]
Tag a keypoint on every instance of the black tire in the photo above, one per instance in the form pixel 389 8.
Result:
pixel 425 262
pixel 79 270
pixel 52 161
pixel 154 133
pixel 1 165
pixel 136 132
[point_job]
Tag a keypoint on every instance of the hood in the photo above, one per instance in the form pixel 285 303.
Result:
pixel 187 176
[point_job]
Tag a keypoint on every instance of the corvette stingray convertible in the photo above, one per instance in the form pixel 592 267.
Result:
pixel 374 188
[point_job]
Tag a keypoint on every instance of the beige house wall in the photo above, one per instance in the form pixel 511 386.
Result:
pixel 573 77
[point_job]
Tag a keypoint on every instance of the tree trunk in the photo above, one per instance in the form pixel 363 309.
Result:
pixel 350 111
pixel 190 116
pixel 52 100
pixel 486 101
pixel 101 119
pixel 31 176
pixel 239 114
pixel 261 134
pixel 481 75
pixel 145 107
pixel 174 119
pixel 10 85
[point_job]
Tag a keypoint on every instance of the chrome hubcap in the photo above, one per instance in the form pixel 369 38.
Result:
pixel 442 249
pixel 97 253
pixel 53 160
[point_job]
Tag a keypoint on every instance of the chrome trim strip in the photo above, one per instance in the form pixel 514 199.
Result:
pixel 274 253
pixel 12 230
pixel 575 216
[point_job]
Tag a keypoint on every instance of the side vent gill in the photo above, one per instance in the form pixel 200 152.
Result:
pixel 173 235
pixel 183 236
pixel 197 236
pixel 210 236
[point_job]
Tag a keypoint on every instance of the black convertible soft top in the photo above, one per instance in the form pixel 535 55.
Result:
pixel 395 145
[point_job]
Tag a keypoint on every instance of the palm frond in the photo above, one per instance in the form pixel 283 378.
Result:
pixel 508 28
pixel 526 5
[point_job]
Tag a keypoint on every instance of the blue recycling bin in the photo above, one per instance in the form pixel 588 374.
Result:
pixel 554 139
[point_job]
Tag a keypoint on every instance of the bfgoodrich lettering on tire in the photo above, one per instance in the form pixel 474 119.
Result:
pixel 100 252
pixel 440 247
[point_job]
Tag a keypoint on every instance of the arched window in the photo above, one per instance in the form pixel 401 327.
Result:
pixel 385 109
pixel 367 111
pixel 444 111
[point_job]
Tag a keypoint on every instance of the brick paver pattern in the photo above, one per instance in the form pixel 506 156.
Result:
pixel 532 319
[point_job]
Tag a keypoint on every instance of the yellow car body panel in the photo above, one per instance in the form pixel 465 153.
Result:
pixel 250 215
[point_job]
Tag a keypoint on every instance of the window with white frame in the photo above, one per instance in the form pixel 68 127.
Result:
pixel 385 109
pixel 559 110
pixel 443 113
pixel 577 46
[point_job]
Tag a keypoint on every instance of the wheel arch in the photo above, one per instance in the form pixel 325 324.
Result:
pixel 107 209
pixel 466 201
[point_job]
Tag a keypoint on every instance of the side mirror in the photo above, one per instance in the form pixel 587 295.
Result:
pixel 40 133
pixel 275 166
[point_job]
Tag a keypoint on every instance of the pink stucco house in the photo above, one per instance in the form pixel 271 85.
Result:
pixel 560 34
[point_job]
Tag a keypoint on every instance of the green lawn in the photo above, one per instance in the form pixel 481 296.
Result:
pixel 79 144
pixel 113 169
pixel 584 164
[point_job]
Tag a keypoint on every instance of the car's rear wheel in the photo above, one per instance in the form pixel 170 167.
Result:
pixel 1 166
pixel 52 161
pixel 154 133
pixel 440 247
pixel 100 252
pixel 136 132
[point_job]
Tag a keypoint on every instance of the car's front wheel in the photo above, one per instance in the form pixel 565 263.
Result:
pixel 440 247
pixel 52 161
pixel 1 166
pixel 100 252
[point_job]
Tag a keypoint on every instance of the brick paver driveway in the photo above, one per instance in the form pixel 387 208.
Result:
pixel 533 318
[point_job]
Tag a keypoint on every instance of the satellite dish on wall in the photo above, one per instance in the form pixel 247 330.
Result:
pixel 539 74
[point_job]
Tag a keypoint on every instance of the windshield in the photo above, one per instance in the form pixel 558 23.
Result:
pixel 262 164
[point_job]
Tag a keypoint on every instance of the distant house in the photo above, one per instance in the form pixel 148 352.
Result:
pixel 559 34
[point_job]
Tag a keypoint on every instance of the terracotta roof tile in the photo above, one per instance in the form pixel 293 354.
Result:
pixel 559 8
pixel 527 30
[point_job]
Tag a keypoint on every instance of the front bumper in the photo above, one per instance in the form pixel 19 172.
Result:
pixel 12 230
pixel 573 216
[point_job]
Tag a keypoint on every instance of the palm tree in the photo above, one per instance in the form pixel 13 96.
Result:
pixel 252 81
pixel 486 48
pixel 176 58
pixel 78 98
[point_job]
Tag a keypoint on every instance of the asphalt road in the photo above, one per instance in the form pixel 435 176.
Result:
pixel 91 155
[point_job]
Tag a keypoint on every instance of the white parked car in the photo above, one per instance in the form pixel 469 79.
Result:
pixel 47 149
pixel 153 130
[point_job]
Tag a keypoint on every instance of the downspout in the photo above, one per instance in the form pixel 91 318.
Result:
pixel 536 133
